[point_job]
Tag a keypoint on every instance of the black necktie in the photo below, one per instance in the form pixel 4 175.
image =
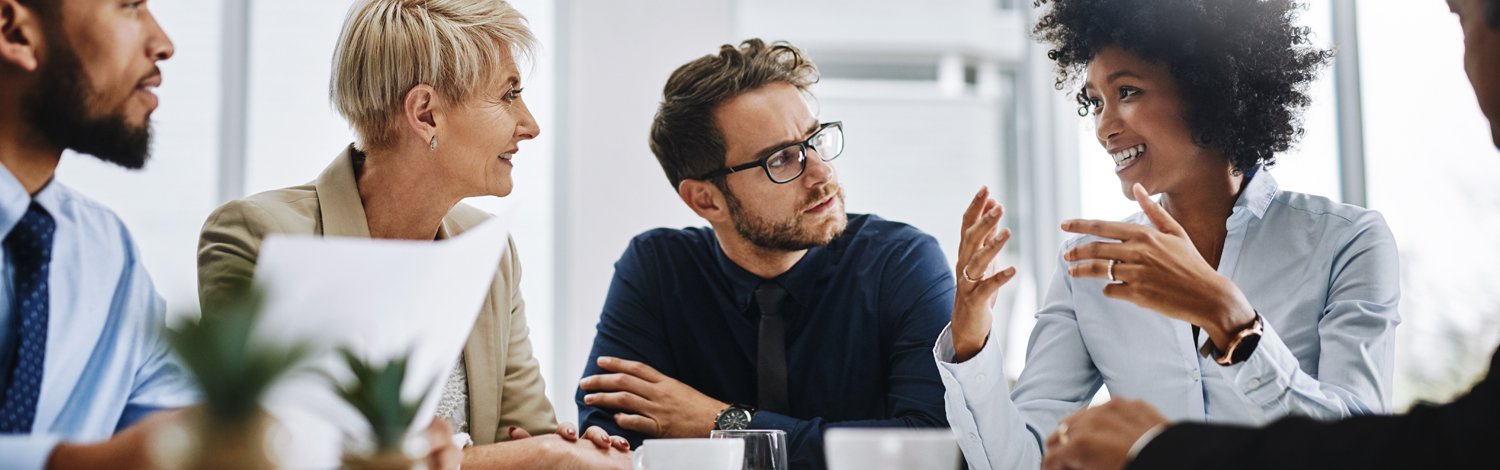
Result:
pixel 770 355
pixel 29 245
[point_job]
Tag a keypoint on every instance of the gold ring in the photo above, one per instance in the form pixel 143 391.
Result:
pixel 965 273
pixel 1062 434
pixel 1111 271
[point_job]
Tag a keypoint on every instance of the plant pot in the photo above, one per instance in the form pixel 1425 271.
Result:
pixel 382 461
pixel 202 442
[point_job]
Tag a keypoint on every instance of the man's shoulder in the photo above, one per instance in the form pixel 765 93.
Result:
pixel 878 232
pixel 674 239
pixel 91 217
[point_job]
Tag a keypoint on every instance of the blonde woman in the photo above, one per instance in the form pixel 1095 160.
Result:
pixel 433 93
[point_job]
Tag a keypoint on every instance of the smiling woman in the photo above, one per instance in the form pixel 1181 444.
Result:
pixel 433 92
pixel 1231 300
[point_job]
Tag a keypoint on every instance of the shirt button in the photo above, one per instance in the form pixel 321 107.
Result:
pixel 1254 382
pixel 979 379
pixel 973 437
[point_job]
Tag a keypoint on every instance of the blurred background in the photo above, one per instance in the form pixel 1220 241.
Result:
pixel 937 98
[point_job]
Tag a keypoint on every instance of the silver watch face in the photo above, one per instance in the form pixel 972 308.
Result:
pixel 734 419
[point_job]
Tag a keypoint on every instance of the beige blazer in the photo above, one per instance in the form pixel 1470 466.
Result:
pixel 505 381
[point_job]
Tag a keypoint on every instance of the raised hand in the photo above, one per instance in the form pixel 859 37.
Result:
pixel 1160 269
pixel 977 287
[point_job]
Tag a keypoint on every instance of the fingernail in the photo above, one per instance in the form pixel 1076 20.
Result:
pixel 588 398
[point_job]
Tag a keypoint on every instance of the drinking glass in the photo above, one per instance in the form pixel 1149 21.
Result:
pixel 765 449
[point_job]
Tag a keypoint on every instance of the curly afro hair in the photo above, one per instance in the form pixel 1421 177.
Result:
pixel 1243 66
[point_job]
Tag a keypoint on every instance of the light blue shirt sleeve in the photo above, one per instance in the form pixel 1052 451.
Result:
pixel 107 363
pixel 161 381
pixel 998 429
pixel 1356 338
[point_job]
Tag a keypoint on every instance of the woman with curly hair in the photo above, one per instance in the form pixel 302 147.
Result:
pixel 1228 301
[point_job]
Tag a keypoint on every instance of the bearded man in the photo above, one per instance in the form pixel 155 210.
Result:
pixel 787 313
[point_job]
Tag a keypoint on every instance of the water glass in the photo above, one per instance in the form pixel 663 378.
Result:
pixel 765 449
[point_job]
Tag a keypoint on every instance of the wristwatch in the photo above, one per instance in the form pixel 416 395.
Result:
pixel 1240 347
pixel 734 418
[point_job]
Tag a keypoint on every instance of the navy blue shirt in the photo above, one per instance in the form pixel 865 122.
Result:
pixel 863 314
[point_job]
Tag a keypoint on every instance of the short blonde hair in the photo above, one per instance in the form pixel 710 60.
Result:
pixel 389 46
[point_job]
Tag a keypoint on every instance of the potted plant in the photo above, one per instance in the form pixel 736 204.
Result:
pixel 376 393
pixel 228 429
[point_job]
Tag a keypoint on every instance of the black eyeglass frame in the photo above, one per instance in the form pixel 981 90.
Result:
pixel 763 162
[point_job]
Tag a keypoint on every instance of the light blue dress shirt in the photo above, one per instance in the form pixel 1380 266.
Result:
pixel 1322 275
pixel 107 364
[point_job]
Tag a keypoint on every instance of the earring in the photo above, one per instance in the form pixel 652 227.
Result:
pixel 432 144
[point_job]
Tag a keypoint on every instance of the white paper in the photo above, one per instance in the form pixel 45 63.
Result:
pixel 381 299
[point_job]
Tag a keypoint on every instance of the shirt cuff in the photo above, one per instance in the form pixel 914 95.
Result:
pixel 1267 375
pixel 27 452
pixel 1144 440
pixel 978 375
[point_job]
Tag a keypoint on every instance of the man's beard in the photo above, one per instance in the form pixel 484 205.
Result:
pixel 784 235
pixel 59 108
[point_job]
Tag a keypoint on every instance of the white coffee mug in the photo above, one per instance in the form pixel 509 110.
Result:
pixel 891 449
pixel 689 454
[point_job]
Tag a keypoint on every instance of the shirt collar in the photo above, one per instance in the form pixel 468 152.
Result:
pixel 801 282
pixel 14 200
pixel 1258 193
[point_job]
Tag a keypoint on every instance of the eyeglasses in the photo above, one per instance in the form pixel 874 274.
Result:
pixel 787 163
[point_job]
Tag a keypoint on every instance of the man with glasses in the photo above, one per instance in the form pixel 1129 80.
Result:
pixel 786 314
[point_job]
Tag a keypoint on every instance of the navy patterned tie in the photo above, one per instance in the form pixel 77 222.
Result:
pixel 29 246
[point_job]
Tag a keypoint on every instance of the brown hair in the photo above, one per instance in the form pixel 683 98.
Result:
pixel 686 140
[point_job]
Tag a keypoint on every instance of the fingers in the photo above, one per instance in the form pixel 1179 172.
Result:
pixel 1102 251
pixel 994 282
pixel 1059 458
pixel 976 206
pixel 617 400
pixel 638 423
pixel 978 266
pixel 979 236
pixel 517 433
pixel 597 435
pixel 619 443
pixel 1123 272
pixel 568 431
pixel 615 383
pixel 1122 291
pixel 638 369
pixel 1158 215
pixel 1106 229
